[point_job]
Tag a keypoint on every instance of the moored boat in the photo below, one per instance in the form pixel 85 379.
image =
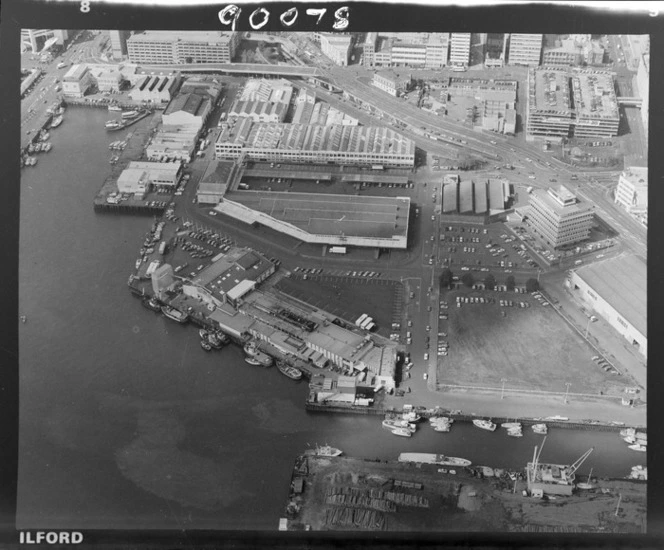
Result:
pixel 411 416
pixel 402 432
pixel 129 114
pixel 152 304
pixel 206 346
pixel 56 121
pixel 540 429
pixel 510 425
pixel 251 361
pixel 391 424
pixel 174 314
pixel 287 370
pixel 484 424
pixel 114 108
pixel 213 341
pixel 324 450
pixel 432 458
pixel 637 447
pixel 515 432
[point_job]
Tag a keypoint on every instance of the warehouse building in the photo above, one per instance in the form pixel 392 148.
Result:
pixel 182 47
pixel 392 82
pixel 155 88
pixel 478 198
pixel 77 80
pixel 559 217
pixel 139 176
pixel 616 289
pixel 315 144
pixel 219 176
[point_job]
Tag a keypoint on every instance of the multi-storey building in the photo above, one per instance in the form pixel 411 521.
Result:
pixel 410 49
pixel 524 49
pixel 77 81
pixel 119 43
pixel 315 143
pixel 182 47
pixel 336 47
pixel 563 53
pixel 460 49
pixel 558 217
pixel 632 190
pixel 391 82
pixel 578 102
pixel 643 90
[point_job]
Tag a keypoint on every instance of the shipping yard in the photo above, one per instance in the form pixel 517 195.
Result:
pixel 304 220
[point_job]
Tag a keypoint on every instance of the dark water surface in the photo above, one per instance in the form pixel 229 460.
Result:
pixel 125 422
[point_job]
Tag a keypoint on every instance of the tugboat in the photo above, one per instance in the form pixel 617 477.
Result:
pixel 253 352
pixel 152 304
pixel 485 425
pixel 287 370
pixel 174 314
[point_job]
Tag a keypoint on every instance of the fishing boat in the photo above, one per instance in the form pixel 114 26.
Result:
pixel 638 472
pixel 515 432
pixel 213 341
pixel 324 450
pixel 113 125
pixel 152 304
pixel 56 121
pixel 402 432
pixel 540 429
pixel 129 114
pixel 441 424
pixel 411 416
pixel 114 108
pixel 206 346
pixel 432 458
pixel 174 314
pixel 287 370
pixel 484 424
pixel 510 425
pixel 638 447
pixel 628 432
pixel 251 361
pixel 223 338
pixel 138 263
pixel 392 424
pixel 585 486
pixel 47 146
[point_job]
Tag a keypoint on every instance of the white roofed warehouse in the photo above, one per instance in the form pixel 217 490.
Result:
pixel 616 289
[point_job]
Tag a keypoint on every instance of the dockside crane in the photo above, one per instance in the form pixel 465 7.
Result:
pixel 574 467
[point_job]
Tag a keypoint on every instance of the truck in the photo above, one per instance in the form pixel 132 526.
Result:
pixel 242 186
pixel 338 249
pixel 361 319
pixel 366 323
pixel 62 65
pixel 370 326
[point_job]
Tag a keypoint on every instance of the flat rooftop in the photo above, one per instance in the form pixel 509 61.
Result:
pixel 551 91
pixel 323 214
pixel 594 94
pixel 622 282
pixel 185 36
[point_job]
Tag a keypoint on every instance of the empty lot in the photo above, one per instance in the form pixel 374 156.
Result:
pixel 531 348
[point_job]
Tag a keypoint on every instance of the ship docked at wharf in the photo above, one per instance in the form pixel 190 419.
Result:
pixel 324 450
pixel 255 356
pixel 174 314
pixel 431 458
pixel 484 424
pixel 394 424
pixel 552 479
pixel 287 370
pixel 441 423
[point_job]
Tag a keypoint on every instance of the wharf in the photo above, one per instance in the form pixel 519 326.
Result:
pixel 352 494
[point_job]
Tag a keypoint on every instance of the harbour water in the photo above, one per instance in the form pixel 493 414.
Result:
pixel 124 420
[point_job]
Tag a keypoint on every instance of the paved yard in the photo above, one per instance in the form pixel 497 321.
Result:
pixel 531 348
pixel 349 297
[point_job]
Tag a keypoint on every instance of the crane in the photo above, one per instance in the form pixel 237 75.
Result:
pixel 574 467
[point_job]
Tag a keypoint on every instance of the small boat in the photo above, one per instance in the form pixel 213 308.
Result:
pixel 203 333
pixel 638 472
pixel 487 471
pixel 515 432
pixel 138 263
pixel 24 319
pixel 220 335
pixel 250 348
pixel 411 416
pixel 637 447
pixel 152 304
pixel 114 108
pixel 484 424
pixel 264 360
pixel 251 361
pixel 510 425
pixel 56 121
pixel 46 147
pixel 557 418
pixel 641 437
pixel 431 458
pixel 403 432
pixel 31 148
pixel 585 486
pixel 113 125
pixel 325 450
pixel 629 439
pixel 617 423
pixel 44 135
pixel 392 424
pixel 628 431
pixel 174 314
pixel 540 429
pixel 129 114
pixel 213 341
pixel 287 370
pixel 206 346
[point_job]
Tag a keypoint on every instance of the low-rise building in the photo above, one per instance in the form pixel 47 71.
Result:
pixel 392 82
pixel 155 88
pixel 559 218
pixel 109 81
pixel 616 289
pixel 139 176
pixel 218 177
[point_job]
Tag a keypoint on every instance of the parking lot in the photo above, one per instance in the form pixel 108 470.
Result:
pixel 482 249
pixel 348 296
pixel 517 337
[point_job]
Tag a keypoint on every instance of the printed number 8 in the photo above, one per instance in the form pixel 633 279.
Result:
pixel 85 6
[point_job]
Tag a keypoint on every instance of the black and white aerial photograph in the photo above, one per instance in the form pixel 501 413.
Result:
pixel 333 281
